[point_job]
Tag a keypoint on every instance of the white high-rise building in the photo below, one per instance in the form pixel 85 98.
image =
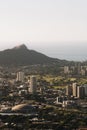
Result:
pixel 69 90
pixel 74 89
pixel 66 69
pixel 20 76
pixel 33 85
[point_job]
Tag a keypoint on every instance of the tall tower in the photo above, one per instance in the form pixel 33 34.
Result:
pixel 33 84
pixel 66 70
pixel 20 76
pixel 79 68
pixel 69 90
pixel 74 88
pixel 80 92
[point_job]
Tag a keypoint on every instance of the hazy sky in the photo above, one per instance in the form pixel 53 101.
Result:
pixel 42 22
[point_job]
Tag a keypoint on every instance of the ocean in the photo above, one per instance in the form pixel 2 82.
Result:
pixel 71 52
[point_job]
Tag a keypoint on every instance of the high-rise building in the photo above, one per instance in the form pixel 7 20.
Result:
pixel 79 68
pixel 83 72
pixel 33 85
pixel 80 92
pixel 20 76
pixel 69 90
pixel 85 89
pixel 66 70
pixel 74 89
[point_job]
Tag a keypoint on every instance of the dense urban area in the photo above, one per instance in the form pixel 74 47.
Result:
pixel 43 97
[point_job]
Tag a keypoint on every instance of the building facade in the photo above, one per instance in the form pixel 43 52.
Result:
pixel 33 84
pixel 20 76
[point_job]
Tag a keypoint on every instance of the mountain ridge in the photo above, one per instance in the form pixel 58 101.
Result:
pixel 21 55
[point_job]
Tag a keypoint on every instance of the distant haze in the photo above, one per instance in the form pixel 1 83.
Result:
pixel 72 51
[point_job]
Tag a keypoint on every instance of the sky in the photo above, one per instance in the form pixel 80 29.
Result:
pixel 44 24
